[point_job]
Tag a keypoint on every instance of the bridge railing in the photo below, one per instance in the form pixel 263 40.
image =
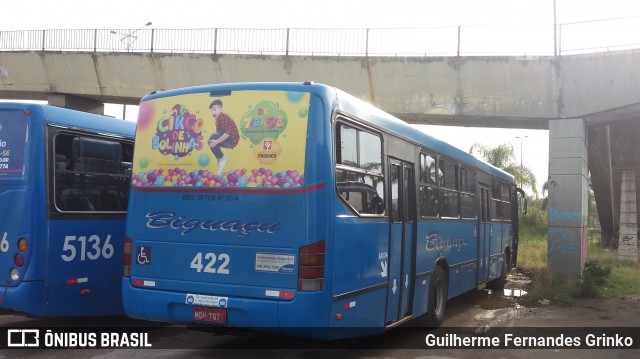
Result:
pixel 609 34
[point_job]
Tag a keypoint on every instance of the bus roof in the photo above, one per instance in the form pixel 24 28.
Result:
pixel 340 100
pixel 76 119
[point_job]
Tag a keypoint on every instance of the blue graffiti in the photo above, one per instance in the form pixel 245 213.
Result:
pixel 556 216
pixel 562 241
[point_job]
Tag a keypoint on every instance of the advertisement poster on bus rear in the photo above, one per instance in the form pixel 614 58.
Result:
pixel 13 135
pixel 251 139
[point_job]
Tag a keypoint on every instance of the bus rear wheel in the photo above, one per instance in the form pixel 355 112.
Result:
pixel 437 299
pixel 500 282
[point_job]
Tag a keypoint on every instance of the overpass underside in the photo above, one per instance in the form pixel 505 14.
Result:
pixel 613 150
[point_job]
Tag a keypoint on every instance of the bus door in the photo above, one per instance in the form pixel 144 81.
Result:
pixel 484 234
pixel 401 243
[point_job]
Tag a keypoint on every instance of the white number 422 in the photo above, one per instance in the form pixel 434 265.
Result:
pixel 211 259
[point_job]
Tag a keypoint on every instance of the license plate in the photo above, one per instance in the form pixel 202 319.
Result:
pixel 212 315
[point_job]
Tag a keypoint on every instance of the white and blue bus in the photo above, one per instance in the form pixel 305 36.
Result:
pixel 64 185
pixel 298 209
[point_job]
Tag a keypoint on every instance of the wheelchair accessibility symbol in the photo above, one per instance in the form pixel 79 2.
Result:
pixel 143 255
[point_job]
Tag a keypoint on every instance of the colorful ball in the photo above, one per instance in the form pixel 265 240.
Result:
pixel 203 160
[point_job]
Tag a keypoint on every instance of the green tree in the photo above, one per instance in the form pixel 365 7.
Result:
pixel 503 157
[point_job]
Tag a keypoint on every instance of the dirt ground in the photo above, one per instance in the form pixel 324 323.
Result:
pixel 492 308
pixel 480 312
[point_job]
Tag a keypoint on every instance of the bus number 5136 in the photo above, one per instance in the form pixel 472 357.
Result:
pixel 93 252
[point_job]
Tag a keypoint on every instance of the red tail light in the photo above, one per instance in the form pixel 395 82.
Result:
pixel 311 267
pixel 18 260
pixel 127 256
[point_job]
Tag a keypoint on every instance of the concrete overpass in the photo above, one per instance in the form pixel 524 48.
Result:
pixel 590 103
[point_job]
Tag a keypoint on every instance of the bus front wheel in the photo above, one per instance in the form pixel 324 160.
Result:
pixel 437 299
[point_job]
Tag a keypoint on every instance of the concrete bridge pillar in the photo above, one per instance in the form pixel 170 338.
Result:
pixel 628 239
pixel 568 197
pixel 76 103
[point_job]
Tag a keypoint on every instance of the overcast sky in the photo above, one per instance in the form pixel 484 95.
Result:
pixel 132 14
pixel 129 14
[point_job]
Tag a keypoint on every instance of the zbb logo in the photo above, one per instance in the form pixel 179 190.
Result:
pixel 23 338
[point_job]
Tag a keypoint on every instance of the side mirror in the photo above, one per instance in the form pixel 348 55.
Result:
pixel 522 201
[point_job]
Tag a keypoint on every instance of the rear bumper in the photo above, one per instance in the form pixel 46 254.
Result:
pixel 26 298
pixel 169 306
pixel 275 316
pixel 100 298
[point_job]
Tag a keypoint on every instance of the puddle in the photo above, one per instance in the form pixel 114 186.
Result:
pixel 493 303
pixel 484 309
pixel 491 299
pixel 514 292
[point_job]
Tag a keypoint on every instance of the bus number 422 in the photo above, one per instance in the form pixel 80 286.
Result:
pixel 210 263
pixel 90 249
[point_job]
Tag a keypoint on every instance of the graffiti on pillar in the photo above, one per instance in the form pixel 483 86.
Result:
pixel 628 250
pixel 551 183
pixel 628 240
pixel 557 216
pixel 628 245
pixel 562 241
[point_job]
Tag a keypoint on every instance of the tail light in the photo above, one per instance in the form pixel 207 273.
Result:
pixel 127 256
pixel 23 245
pixel 18 260
pixel 15 274
pixel 311 267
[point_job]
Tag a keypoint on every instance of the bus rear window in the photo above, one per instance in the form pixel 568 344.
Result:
pixel 91 175
pixel 13 139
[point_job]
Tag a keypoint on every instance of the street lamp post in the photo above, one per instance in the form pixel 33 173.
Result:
pixel 521 138
pixel 130 37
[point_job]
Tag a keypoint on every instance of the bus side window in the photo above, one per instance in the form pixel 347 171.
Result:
pixel 359 177
pixel 428 195
pixel 376 206
pixel 361 197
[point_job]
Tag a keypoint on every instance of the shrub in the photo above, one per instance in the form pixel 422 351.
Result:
pixel 534 222
pixel 596 277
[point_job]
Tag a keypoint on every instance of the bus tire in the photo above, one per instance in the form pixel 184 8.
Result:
pixel 500 282
pixel 437 299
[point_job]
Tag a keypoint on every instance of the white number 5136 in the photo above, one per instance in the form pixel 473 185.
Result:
pixel 89 248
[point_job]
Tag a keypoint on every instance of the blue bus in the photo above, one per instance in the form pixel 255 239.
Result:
pixel 64 187
pixel 298 209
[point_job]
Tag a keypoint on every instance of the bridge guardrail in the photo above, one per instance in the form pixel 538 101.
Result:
pixel 427 41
